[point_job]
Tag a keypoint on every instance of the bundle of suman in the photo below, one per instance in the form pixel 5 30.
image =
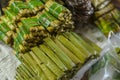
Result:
pixel 106 16
pixel 32 21
pixel 40 33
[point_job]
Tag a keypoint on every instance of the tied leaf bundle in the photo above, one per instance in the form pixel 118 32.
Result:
pixel 36 6
pixel 20 7
pixel 49 21
pixel 11 15
pixel 31 22
pixel 4 38
pixel 9 23
pixel 106 16
pixel 57 58
pixel 5 29
pixel 100 4
pixel 58 11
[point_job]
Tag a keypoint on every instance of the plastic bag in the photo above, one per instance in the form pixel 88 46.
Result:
pixel 108 67
pixel 115 41
pixel 8 63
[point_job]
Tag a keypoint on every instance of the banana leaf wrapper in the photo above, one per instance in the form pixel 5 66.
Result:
pixel 11 14
pixel 95 3
pixel 57 10
pixel 89 47
pixel 95 47
pixel 116 15
pixel 104 4
pixel 29 69
pixel 19 35
pixel 22 73
pixel 5 29
pixel 67 26
pixel 53 57
pixel 16 46
pixel 20 7
pixel 30 23
pixel 62 56
pixel 75 42
pixel 105 10
pixel 68 53
pixel 107 28
pixel 45 59
pixel 99 4
pixel 18 43
pixel 106 25
pixel 72 48
pixel 36 5
pixel 24 32
pixel 18 76
pixel 27 63
pixel 38 66
pixel 22 67
pixel 9 23
pixel 107 17
pixel 39 31
pixel 4 38
pixel 21 40
pixel 26 40
pixel 75 60
pixel 34 28
pixel 49 21
pixel 49 74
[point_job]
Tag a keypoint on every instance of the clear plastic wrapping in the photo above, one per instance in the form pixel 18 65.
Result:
pixel 8 63
pixel 108 67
